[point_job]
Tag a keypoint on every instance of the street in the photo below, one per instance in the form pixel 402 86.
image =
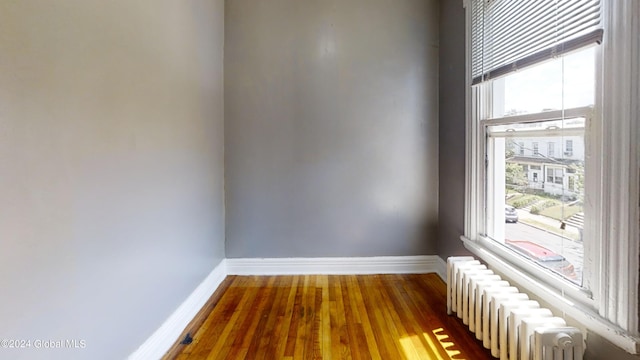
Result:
pixel 572 250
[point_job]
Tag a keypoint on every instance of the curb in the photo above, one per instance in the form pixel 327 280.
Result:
pixel 545 230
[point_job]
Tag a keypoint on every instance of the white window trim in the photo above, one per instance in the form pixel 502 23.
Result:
pixel 613 313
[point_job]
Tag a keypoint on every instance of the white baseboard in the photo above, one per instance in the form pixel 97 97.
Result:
pixel 441 269
pixel 337 265
pixel 161 341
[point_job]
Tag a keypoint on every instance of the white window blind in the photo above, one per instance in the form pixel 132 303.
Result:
pixel 508 35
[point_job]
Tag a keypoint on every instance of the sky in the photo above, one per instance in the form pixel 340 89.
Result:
pixel 556 84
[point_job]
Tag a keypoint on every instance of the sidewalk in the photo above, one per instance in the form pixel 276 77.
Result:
pixel 548 224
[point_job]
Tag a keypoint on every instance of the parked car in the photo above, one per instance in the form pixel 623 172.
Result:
pixel 510 214
pixel 545 257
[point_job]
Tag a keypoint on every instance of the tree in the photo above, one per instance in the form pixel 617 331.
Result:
pixel 578 179
pixel 515 175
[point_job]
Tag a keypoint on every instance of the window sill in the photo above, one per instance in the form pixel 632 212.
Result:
pixel 582 313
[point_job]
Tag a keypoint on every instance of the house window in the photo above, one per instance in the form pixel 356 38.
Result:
pixel 568 150
pixel 554 176
pixel 572 183
pixel 567 75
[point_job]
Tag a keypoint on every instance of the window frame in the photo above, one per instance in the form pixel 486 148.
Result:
pixel 610 308
pixel 578 294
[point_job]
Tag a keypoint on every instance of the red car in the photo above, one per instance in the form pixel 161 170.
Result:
pixel 543 256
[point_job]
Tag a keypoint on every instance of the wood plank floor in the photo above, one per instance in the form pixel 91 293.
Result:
pixel 329 317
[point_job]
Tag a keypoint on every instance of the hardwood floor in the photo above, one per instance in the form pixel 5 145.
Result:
pixel 329 317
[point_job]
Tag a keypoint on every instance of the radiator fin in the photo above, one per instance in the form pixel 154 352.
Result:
pixel 509 324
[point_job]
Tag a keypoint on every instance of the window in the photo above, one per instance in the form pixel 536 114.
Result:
pixel 532 95
pixel 554 175
pixel 572 183
pixel 576 85
pixel 568 150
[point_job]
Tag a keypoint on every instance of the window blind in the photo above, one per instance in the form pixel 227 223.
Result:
pixel 508 35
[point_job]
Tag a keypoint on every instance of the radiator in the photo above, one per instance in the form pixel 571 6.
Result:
pixel 506 321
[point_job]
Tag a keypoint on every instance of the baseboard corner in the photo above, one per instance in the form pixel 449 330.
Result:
pixel 165 336
pixel 441 268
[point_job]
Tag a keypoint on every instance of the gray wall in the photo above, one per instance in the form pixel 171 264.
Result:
pixel 452 153
pixel 331 127
pixel 111 168
pixel 451 161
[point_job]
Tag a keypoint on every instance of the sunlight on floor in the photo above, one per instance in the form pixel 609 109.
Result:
pixel 443 338
pixel 431 346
